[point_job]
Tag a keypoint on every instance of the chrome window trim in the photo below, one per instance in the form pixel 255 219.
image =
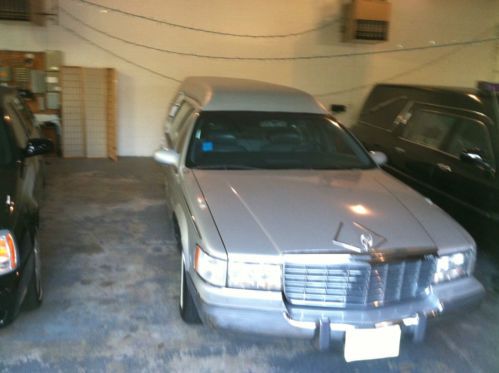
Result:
pixel 454 108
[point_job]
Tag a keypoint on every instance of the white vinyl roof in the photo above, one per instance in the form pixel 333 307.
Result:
pixel 228 94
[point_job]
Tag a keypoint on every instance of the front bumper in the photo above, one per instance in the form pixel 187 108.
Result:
pixel 9 296
pixel 13 289
pixel 267 313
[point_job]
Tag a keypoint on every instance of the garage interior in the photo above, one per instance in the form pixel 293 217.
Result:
pixel 103 74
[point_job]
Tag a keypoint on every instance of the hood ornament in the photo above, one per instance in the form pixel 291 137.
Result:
pixel 368 240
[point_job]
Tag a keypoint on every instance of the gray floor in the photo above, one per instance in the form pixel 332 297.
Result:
pixel 111 279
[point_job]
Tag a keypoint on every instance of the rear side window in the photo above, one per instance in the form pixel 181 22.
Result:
pixel 182 134
pixel 181 114
pixel 471 135
pixel 429 128
pixel 23 113
pixel 382 114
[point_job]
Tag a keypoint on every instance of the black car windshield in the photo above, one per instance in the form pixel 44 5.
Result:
pixel 265 140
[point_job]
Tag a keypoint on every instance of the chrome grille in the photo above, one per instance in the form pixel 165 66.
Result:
pixel 359 284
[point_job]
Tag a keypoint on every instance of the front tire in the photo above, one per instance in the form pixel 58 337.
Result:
pixel 176 235
pixel 187 307
pixel 34 295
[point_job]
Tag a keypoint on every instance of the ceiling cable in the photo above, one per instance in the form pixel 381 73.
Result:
pixel 404 73
pixel 207 31
pixel 272 59
pixel 325 94
pixel 78 35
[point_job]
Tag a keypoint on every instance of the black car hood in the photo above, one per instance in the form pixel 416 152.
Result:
pixel 7 187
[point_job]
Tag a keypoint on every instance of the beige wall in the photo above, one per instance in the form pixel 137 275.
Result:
pixel 143 96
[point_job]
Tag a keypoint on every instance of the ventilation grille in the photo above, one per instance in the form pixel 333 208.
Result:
pixel 15 10
pixel 371 30
pixel 357 284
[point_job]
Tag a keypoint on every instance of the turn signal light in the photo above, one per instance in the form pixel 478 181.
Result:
pixel 8 252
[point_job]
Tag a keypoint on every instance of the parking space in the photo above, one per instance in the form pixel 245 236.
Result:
pixel 111 281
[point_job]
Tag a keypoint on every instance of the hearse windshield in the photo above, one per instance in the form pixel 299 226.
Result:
pixel 265 140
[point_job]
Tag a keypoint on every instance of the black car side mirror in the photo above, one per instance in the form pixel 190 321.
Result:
pixel 38 147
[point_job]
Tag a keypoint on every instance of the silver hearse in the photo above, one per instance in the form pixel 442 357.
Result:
pixel 288 227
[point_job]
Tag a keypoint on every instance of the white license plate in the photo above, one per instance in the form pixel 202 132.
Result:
pixel 368 344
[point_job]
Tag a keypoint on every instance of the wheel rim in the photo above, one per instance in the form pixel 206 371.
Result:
pixel 38 269
pixel 181 302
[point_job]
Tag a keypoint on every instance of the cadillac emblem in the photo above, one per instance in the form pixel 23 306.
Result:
pixel 368 240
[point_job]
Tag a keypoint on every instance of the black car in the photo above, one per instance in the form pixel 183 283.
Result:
pixel 20 189
pixel 443 142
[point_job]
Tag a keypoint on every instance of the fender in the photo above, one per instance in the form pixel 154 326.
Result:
pixel 183 225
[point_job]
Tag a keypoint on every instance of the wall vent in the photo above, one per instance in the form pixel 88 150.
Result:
pixel 23 10
pixel 14 10
pixel 367 20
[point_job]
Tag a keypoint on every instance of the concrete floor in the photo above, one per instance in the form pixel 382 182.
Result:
pixel 111 279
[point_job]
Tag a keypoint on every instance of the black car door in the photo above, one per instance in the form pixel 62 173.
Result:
pixel 23 175
pixel 466 183
pixel 418 144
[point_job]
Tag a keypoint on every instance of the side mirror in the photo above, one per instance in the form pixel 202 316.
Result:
pixel 38 147
pixel 168 157
pixel 379 158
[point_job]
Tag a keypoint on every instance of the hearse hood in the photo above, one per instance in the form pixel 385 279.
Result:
pixel 271 213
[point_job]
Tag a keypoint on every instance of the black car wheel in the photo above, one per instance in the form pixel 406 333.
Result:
pixel 34 296
pixel 188 310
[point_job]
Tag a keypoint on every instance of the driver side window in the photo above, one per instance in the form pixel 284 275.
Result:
pixel 429 128
pixel 471 135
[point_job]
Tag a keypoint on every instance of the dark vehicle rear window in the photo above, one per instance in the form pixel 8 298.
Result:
pixel 383 113
pixel 239 140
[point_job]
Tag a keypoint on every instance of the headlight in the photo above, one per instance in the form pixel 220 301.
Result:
pixel 453 266
pixel 257 276
pixel 210 269
pixel 8 252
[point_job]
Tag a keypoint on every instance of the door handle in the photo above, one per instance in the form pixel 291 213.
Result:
pixel 444 167
pixel 398 149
